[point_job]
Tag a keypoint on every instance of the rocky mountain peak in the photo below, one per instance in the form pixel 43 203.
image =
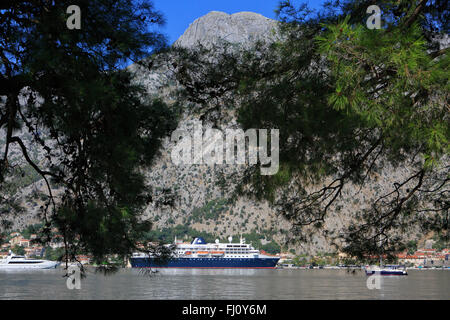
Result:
pixel 216 26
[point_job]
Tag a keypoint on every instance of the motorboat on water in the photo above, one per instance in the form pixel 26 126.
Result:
pixel 387 270
pixel 17 262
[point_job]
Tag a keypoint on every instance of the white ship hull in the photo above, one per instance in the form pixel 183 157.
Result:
pixel 13 262
pixel 43 265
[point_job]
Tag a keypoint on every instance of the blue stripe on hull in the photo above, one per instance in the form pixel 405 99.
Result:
pixel 387 273
pixel 206 263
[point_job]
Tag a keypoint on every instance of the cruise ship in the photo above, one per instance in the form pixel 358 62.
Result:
pixel 16 262
pixel 199 254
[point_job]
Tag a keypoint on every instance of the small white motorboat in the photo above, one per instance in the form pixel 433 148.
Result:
pixel 388 270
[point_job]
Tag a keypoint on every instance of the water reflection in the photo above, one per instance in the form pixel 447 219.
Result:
pixel 224 284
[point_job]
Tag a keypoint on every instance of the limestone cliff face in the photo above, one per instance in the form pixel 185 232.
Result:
pixel 201 203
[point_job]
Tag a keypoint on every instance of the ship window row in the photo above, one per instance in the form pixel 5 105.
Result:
pixel 218 259
pixel 226 250
pixel 237 252
pixel 206 249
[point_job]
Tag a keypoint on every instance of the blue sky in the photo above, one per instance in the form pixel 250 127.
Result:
pixel 180 13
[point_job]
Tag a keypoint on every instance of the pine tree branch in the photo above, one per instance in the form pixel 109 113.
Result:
pixel 438 53
pixel 35 167
pixel 416 13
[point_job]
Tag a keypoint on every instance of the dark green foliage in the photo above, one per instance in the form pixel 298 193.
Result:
pixel 441 241
pixel 19 250
pixel 271 247
pixel 54 254
pixel 31 229
pixel 96 128
pixel 411 246
pixel 300 261
pixel 210 211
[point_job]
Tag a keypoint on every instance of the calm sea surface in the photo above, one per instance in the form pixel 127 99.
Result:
pixel 225 284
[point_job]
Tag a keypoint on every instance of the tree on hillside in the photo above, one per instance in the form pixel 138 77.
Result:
pixel 350 103
pixel 95 128
pixel 19 250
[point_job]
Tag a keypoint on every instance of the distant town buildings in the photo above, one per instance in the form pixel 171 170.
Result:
pixel 31 248
pixel 426 258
